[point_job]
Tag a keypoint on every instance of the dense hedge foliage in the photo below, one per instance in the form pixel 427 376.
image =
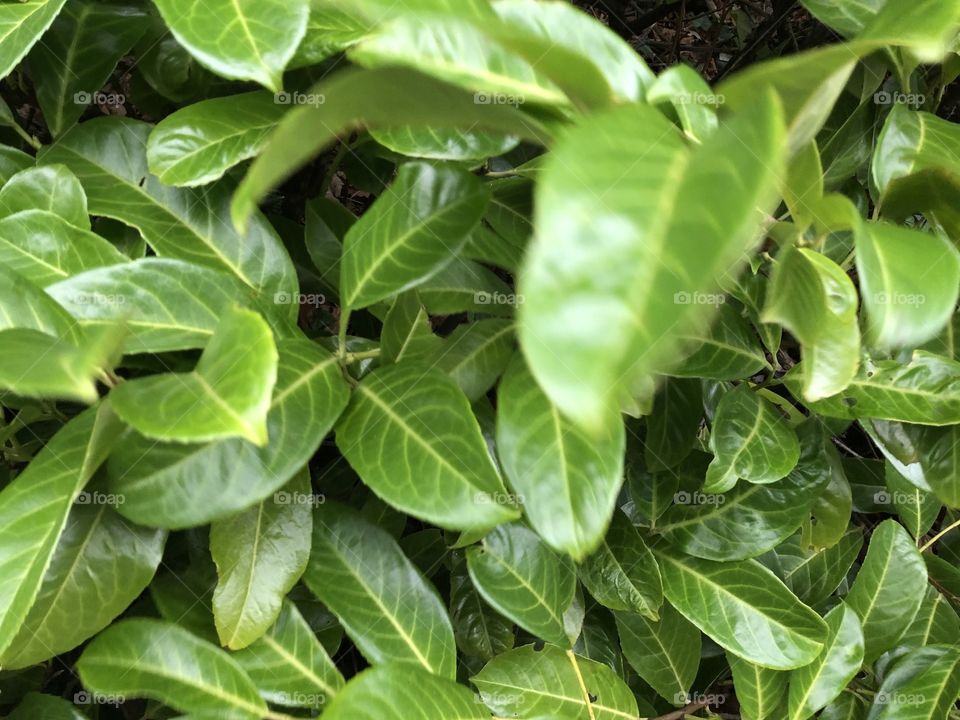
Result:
pixel 471 359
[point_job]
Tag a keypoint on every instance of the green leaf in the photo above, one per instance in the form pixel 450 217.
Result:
pixel 691 98
pixel 162 661
pixel 752 442
pixel 81 593
pixel 889 588
pixel 925 391
pixel 109 157
pixel 386 606
pixel 443 144
pixel 760 691
pixel 567 480
pixel 631 259
pixel 260 554
pixel 479 630
pixel 416 227
pixel 728 351
pixel 815 686
pixel 673 424
pixel 36 705
pixel 78 54
pixel 909 281
pixel 53 189
pixel 21 25
pixel 525 581
pixel 198 144
pixel 623 574
pixel 936 623
pixel 722 598
pixel 288 664
pixel 34 509
pixel 398 692
pixel 847 707
pixel 172 485
pixel 386 97
pixel 476 354
pixel 443 472
pixel 45 248
pixel 407 333
pixel 815 300
pixel 24 305
pixel 917 510
pixel 711 526
pixel 548 682
pixel 257 38
pixel 225 396
pixel 665 653
pixel 164 304
pixel 922 685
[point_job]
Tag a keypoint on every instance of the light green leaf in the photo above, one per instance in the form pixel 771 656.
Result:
pixel 441 470
pixel 711 526
pixel 548 682
pixel 45 248
pixel 53 188
pixel 21 25
pixel 386 97
pixel 475 355
pixel 815 686
pixel 925 391
pixel 227 395
pixel 691 98
pixel 255 41
pixel 909 282
pixel 723 598
pixel 288 664
pixel 407 333
pixel 630 259
pixel 386 606
pixel 164 304
pixel 199 143
pixel 760 691
pixel 260 554
pixel 936 623
pixel 398 692
pixel 666 653
pixel 525 581
pixel 34 509
pixel 109 157
pixel 24 305
pixel 889 588
pixel 78 53
pixel 815 300
pixel 567 480
pixel 162 661
pixel 752 442
pixel 922 685
pixel 82 593
pixel 329 31
pixel 444 144
pixel 171 485
pixel 728 351
pixel 416 227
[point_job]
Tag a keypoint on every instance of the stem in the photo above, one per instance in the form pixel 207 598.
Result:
pixel 27 137
pixel 929 544
pixel 351 358
pixel 342 335
pixel 583 685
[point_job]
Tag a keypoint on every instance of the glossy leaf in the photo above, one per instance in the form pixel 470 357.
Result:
pixel 627 259
pixel 923 684
pixel 21 25
pixel 446 475
pixel 476 354
pixel 567 479
pixel 382 600
pixel 525 581
pixel 760 691
pixel 223 397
